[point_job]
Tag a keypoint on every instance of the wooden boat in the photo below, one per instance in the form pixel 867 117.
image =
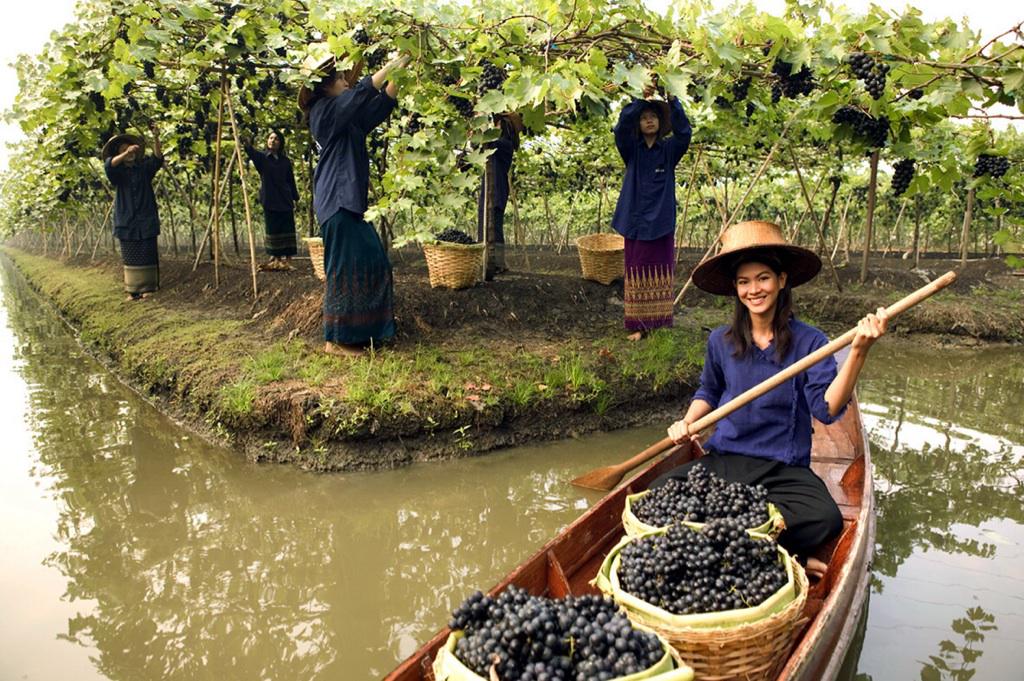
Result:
pixel 835 603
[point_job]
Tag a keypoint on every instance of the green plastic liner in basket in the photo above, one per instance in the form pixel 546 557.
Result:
pixel 635 527
pixel 644 613
pixel 447 667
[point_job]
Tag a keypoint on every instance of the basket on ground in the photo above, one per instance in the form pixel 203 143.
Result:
pixel 749 643
pixel 602 257
pixel 453 265
pixel 316 254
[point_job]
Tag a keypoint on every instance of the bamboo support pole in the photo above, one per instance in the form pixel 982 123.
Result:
pixel 240 167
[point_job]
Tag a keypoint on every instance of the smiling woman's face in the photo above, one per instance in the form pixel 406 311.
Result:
pixel 757 287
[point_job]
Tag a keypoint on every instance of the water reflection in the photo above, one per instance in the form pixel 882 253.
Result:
pixel 948 446
pixel 180 561
pixel 186 562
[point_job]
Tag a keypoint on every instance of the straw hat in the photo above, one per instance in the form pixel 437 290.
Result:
pixel 319 63
pixel 110 148
pixel 749 239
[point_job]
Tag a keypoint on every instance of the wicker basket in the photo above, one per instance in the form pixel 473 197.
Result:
pixel 737 645
pixel 316 255
pixel 634 527
pixel 454 265
pixel 602 257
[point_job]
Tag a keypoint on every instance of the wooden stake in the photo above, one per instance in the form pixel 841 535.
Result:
pixel 869 223
pixel 739 206
pixel 209 227
pixel 965 234
pixel 822 248
pixel 686 202
pixel 240 167
pixel 215 224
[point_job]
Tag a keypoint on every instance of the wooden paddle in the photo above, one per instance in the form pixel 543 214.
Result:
pixel 606 478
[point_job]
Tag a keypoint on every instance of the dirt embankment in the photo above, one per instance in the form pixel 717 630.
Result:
pixel 537 354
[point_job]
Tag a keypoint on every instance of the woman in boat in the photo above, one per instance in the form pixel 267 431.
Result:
pixel 359 295
pixel 768 441
pixel 278 195
pixel 136 219
pixel 645 214
pixel 498 164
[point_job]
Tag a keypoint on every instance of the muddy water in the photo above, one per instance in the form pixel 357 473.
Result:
pixel 135 551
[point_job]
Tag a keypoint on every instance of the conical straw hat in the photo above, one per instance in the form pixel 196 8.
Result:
pixel 746 240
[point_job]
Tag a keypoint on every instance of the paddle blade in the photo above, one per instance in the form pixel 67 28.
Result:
pixel 603 479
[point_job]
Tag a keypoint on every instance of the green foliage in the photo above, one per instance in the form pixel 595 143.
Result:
pixel 569 68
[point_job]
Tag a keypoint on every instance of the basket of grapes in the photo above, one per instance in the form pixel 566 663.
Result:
pixel 602 257
pixel 519 637
pixel 698 498
pixel 454 261
pixel 728 601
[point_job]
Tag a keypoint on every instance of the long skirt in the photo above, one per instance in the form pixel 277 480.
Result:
pixel 141 265
pixel 359 297
pixel 280 237
pixel 812 516
pixel 495 238
pixel 650 268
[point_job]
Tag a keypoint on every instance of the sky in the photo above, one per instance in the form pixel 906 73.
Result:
pixel 27 26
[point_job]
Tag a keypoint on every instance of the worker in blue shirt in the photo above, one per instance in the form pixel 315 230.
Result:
pixel 645 214
pixel 278 195
pixel 768 441
pixel 359 293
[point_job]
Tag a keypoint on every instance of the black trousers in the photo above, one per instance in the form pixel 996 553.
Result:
pixel 812 516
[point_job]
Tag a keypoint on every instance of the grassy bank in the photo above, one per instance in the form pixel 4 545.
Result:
pixel 274 394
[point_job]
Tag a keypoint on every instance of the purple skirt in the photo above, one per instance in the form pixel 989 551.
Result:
pixel 650 271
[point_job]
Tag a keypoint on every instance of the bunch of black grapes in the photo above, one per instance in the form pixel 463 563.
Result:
pixel 703 496
pixel 375 58
pixel 792 85
pixel 454 236
pixel 870 71
pixel 463 106
pixel 915 94
pixel 579 638
pixel 718 568
pixel 360 36
pixel 996 166
pixel 492 78
pixel 903 173
pixel 740 89
pixel 414 125
pixel 874 131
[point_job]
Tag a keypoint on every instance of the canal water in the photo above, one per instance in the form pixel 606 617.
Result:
pixel 134 550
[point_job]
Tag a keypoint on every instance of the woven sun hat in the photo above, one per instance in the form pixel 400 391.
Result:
pixel 745 241
pixel 320 61
pixel 110 148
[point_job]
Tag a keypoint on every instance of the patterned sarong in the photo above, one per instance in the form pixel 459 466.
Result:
pixel 141 261
pixel 359 296
pixel 650 268
pixel 280 236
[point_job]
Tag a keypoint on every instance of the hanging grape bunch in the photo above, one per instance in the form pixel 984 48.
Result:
pixel 414 125
pixel 870 71
pixel 149 68
pixel 98 102
pixel 995 166
pixel 873 131
pixel 463 106
pixel 776 92
pixel 700 497
pixel 903 173
pixel 793 84
pixel 686 572
pixel 360 37
pixel 915 94
pixel 492 77
pixel 740 89
pixel 578 638
pixel 454 236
